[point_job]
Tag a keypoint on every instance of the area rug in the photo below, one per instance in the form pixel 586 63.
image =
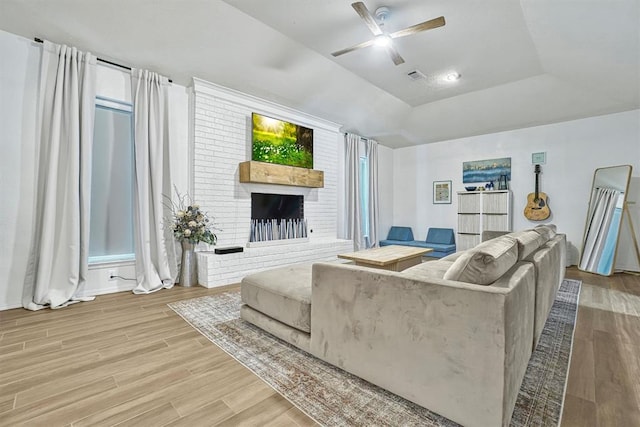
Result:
pixel 333 397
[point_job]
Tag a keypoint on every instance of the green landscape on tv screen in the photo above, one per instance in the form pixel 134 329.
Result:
pixel 275 141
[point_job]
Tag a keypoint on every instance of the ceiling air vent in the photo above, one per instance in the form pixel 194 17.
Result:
pixel 416 75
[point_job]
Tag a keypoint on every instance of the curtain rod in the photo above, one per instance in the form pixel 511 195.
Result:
pixel 361 137
pixel 37 40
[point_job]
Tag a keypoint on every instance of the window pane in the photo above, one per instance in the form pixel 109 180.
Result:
pixel 111 237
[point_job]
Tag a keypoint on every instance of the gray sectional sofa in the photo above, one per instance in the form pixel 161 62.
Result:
pixel 453 335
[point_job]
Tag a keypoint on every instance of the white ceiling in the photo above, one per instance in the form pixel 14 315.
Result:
pixel 522 63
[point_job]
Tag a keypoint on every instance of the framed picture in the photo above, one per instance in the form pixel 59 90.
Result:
pixel 539 158
pixel 441 192
pixel 486 170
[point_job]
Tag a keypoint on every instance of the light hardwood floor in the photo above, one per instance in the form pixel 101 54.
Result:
pixel 128 359
pixel 603 387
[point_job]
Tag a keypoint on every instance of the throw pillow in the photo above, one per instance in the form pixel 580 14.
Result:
pixel 485 263
pixel 547 231
pixel 528 242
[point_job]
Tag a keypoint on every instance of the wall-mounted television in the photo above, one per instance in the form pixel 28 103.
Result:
pixel 284 143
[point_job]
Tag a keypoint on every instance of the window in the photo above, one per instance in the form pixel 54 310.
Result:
pixel 112 178
pixel 364 198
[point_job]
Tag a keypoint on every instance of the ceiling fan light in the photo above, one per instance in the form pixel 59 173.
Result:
pixel 383 40
pixel 452 77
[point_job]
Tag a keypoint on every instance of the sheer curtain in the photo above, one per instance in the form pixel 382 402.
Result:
pixel 352 164
pixel 154 244
pixel 58 263
pixel 598 228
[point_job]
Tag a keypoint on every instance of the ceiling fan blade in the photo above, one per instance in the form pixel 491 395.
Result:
pixel 352 48
pixel 395 56
pixel 427 25
pixel 368 17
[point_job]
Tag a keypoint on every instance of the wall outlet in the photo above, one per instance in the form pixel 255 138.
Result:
pixel 112 275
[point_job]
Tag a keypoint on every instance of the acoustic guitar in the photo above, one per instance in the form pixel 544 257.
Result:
pixel 537 208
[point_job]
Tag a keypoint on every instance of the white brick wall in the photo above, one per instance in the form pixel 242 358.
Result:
pixel 221 141
pixel 218 270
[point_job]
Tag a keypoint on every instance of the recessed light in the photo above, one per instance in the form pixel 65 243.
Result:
pixel 452 77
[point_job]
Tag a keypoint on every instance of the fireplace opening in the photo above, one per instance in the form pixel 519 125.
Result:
pixel 277 217
pixel 277 206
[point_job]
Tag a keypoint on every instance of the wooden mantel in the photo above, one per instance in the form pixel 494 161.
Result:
pixel 269 173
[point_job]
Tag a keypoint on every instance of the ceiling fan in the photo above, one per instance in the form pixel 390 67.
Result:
pixel 383 38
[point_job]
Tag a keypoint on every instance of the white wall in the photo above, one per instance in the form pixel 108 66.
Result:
pixel 574 150
pixel 385 190
pixel 19 72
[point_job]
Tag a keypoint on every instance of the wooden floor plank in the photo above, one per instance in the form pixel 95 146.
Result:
pixel 300 418
pixel 282 420
pixel 259 414
pixel 154 416
pixel 114 397
pixel 247 396
pixel 6 404
pixel 578 412
pixel 44 409
pixel 211 414
pixel 11 348
pixel 582 373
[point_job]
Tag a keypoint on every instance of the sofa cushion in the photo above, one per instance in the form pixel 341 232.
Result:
pixel 547 231
pixel 454 256
pixel 441 247
pixel 400 233
pixel 282 293
pixel 442 236
pixel 428 270
pixel 528 242
pixel 395 242
pixel 491 234
pixel 485 263
pixel 434 246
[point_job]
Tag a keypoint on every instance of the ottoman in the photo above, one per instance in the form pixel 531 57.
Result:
pixel 279 301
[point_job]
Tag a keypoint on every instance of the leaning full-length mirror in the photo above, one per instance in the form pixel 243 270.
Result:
pixel 604 217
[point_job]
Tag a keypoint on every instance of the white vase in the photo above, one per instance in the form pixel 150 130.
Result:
pixel 188 266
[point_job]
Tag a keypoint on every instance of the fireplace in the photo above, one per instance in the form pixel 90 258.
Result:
pixel 277 217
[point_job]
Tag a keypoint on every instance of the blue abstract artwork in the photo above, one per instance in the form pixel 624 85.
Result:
pixel 486 170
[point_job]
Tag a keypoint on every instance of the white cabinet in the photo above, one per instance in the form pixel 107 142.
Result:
pixel 479 211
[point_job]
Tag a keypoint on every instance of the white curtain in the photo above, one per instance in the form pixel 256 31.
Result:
pixel 371 151
pixel 359 216
pixel 598 227
pixel 154 243
pixel 58 262
pixel 353 225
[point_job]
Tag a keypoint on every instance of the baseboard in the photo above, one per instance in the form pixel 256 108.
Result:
pixel 107 290
pixel 9 307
